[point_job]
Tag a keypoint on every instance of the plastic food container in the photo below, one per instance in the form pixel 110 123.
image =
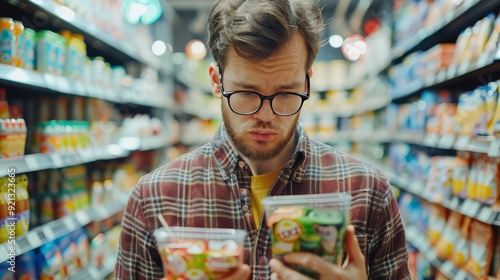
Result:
pixel 313 223
pixel 199 253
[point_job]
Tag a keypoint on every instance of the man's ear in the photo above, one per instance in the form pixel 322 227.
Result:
pixel 310 72
pixel 213 72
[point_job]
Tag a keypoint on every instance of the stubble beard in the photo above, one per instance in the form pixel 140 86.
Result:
pixel 250 152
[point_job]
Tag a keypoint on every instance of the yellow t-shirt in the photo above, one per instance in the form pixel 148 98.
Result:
pixel 260 186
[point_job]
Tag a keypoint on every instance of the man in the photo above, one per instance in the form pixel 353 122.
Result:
pixel 263 52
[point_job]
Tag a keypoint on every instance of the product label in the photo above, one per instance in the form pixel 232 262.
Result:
pixel 7 46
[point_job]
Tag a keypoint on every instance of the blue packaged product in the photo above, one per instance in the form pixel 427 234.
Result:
pixel 26 266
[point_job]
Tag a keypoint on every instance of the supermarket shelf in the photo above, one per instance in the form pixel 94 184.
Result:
pixel 450 25
pixel 36 162
pixel 46 82
pixel 55 229
pixel 448 268
pixel 487 64
pixel 480 144
pixel 122 51
pixel 467 207
pixel 94 273
pixel 144 143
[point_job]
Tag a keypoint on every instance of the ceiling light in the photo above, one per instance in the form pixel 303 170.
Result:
pixel 336 41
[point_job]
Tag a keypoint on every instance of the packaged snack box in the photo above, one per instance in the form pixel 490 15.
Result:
pixel 308 223
pixel 199 253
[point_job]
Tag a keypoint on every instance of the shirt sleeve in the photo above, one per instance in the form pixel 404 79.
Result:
pixel 389 253
pixel 137 254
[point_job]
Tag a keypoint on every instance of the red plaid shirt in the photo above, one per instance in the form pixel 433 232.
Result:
pixel 209 187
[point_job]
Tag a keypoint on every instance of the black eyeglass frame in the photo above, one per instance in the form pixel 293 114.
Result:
pixel 228 94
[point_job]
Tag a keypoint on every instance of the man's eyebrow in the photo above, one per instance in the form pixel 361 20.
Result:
pixel 254 86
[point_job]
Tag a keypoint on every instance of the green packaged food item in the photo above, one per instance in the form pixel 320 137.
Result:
pixel 313 223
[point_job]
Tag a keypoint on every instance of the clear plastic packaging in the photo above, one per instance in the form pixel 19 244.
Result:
pixel 199 253
pixel 308 223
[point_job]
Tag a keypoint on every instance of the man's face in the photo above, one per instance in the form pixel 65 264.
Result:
pixel 263 135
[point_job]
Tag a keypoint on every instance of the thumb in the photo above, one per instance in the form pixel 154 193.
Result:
pixel 355 255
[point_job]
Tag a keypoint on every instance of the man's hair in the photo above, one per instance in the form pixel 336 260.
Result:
pixel 257 28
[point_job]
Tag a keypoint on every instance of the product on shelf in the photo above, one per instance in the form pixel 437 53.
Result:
pixel 461 249
pixel 26 266
pixel 4 106
pixel 437 223
pixel 50 263
pixel 28 49
pixel 17 60
pixel 481 250
pixel 12 137
pixel 7 40
pixel 450 236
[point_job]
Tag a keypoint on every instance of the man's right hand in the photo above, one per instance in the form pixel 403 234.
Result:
pixel 242 273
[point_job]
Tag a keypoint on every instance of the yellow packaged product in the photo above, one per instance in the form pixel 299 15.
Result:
pixel 492 43
pixel 446 245
pixel 7 40
pixel 437 223
pixel 22 205
pixel 474 173
pixel 460 173
pixel 462 46
pixel 481 249
pixel 461 252
pixel 487 186
pixel 4 213
pixel 17 60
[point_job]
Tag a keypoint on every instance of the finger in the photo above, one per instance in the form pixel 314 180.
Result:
pixel 274 276
pixel 313 262
pixel 354 252
pixel 242 273
pixel 284 272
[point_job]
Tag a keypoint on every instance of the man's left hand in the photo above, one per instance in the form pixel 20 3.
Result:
pixel 354 269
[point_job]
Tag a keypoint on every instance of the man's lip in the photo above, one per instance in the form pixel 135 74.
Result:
pixel 263 132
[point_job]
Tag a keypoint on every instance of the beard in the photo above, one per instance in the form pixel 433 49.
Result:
pixel 263 151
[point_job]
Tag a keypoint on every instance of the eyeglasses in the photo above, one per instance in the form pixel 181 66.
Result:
pixel 244 102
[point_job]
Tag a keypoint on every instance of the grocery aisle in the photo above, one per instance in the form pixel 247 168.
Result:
pixel 86 108
pixel 83 114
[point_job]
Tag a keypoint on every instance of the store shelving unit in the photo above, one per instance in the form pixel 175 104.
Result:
pixel 450 25
pixel 55 229
pixel 487 64
pixel 448 268
pixel 66 18
pixel 148 97
pixel 37 162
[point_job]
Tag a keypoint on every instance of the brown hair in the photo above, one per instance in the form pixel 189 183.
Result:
pixel 257 28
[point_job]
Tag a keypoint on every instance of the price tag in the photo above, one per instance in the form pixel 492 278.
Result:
pixel 62 85
pixel 83 217
pixel 31 162
pixel 471 207
pixel 446 142
pixel 57 160
pixel 431 140
pixel 430 254
pixel 494 149
pixel 50 80
pixel 79 88
pixel 49 235
pixel 454 203
pixel 452 72
pixel 430 79
pixel 441 76
pixel 33 239
pixel 70 224
pixel 485 214
pixel 463 67
pixel 462 142
pixel 461 275
pixel 447 268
